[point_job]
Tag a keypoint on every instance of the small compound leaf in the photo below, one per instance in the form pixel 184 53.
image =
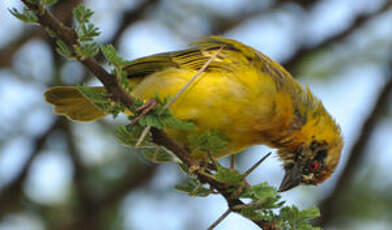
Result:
pixel 229 176
pixel 193 188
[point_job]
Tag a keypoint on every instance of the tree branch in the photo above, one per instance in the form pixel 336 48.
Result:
pixel 12 193
pixel 223 24
pixel 91 208
pixel 294 61
pixel 131 16
pixel 69 37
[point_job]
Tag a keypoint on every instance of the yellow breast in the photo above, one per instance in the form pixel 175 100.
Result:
pixel 240 104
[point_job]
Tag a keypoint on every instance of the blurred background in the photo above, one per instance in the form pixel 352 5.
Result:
pixel 55 174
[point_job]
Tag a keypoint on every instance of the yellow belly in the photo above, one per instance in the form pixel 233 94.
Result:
pixel 239 106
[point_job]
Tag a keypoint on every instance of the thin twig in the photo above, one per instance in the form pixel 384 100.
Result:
pixel 249 205
pixel 142 136
pixel 250 170
pixel 220 219
pixel 186 86
pixel 12 193
pixel 145 108
pixel 305 51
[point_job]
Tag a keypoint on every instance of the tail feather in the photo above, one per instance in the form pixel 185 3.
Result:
pixel 68 101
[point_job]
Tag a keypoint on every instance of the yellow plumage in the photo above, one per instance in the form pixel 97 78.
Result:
pixel 242 93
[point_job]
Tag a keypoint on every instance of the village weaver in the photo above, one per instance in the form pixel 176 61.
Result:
pixel 242 93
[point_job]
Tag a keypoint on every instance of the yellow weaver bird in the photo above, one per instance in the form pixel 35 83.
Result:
pixel 242 93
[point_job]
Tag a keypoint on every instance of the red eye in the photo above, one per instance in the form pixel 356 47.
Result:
pixel 313 166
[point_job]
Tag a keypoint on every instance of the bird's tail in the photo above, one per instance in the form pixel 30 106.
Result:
pixel 68 101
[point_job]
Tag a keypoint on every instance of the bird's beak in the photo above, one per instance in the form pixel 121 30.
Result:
pixel 291 179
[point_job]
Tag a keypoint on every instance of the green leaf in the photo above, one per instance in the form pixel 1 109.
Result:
pixel 129 136
pixel 35 2
pixel 48 2
pixel 87 32
pixel 252 213
pixel 214 141
pixel 111 55
pixel 153 120
pixel 229 176
pixel 161 118
pixel 183 167
pixel 310 213
pixel 264 195
pixel 82 14
pixel 293 218
pixel 51 33
pixel 123 79
pixel 26 16
pixel 169 121
pixel 260 192
pixel 63 49
pixel 194 188
pixel 157 154
pixel 101 100
pixel 86 50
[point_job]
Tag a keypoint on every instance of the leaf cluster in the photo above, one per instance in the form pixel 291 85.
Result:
pixel 213 141
pixel 229 176
pixel 119 64
pixel 161 117
pixel 43 2
pixel 100 98
pixel 129 136
pixel 26 15
pixel 265 204
pixel 193 188
pixel 86 31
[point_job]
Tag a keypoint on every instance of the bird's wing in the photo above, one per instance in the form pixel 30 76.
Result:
pixel 233 55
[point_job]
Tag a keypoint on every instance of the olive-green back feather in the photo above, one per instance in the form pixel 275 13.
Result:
pixel 232 55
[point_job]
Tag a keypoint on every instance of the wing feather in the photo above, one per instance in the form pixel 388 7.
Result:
pixel 234 54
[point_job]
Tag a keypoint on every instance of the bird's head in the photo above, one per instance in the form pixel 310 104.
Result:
pixel 314 156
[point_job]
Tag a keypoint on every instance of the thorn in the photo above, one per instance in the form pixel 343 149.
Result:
pixel 142 136
pixel 251 169
pixel 220 219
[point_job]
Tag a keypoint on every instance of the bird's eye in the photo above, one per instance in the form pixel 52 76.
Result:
pixel 313 166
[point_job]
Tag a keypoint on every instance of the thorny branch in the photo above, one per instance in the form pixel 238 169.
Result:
pixel 13 191
pixel 69 37
pixel 304 51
